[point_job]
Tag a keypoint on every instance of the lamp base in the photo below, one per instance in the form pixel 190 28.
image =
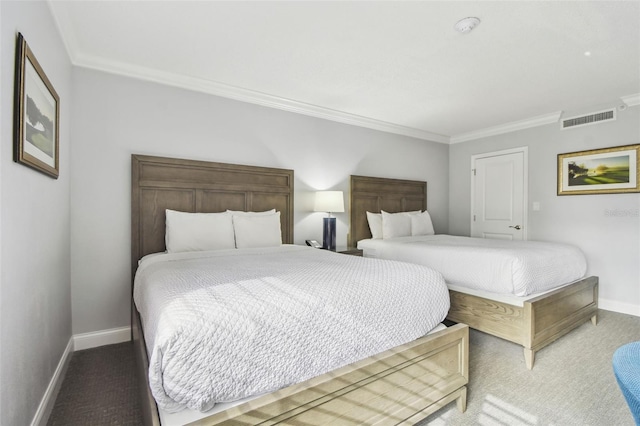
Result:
pixel 329 233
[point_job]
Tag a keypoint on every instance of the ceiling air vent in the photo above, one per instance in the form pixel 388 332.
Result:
pixel 586 120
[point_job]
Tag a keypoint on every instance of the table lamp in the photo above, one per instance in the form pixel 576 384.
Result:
pixel 330 202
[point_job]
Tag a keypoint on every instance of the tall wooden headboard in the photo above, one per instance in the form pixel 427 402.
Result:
pixel 374 194
pixel 159 183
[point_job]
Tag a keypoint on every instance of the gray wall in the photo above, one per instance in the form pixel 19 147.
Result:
pixel 35 318
pixel 115 116
pixel 605 227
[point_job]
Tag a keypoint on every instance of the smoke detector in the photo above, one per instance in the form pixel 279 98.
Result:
pixel 466 25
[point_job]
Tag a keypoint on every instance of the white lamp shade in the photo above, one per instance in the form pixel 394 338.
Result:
pixel 329 201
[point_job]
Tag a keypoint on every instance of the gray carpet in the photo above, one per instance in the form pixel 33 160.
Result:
pixel 572 382
pixel 100 388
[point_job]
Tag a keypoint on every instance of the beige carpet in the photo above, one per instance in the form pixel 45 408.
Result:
pixel 572 381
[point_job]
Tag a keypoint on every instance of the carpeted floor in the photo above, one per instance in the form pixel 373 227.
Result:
pixel 572 383
pixel 100 388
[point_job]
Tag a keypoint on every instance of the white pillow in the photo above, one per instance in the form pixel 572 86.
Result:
pixel 257 231
pixel 243 213
pixel 397 224
pixel 375 224
pixel 421 224
pixel 198 231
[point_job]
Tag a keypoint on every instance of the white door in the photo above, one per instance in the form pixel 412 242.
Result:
pixel 499 195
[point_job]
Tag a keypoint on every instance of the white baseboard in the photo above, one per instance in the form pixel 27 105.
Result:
pixel 77 342
pixel 620 307
pixel 101 338
pixel 48 400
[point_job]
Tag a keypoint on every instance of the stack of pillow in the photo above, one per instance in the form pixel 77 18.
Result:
pixel 226 230
pixel 404 224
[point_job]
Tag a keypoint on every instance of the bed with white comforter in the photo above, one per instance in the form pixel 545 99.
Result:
pixel 223 325
pixel 519 268
pixel 530 293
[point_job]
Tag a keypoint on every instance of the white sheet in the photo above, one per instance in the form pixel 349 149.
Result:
pixel 520 268
pixel 509 299
pixel 224 325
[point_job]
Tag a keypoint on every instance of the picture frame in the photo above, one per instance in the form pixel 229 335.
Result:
pixel 36 114
pixel 599 171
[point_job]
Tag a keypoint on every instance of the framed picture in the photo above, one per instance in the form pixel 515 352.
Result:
pixel 36 114
pixel 599 171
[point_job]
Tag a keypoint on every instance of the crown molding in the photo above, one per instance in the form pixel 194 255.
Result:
pixel 65 28
pixel 631 100
pixel 250 96
pixel 508 127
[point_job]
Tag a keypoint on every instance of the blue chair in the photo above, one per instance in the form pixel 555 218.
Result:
pixel 626 366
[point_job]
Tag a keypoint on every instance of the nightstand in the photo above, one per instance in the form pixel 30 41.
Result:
pixel 349 250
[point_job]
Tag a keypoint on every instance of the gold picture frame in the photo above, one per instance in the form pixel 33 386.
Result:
pixel 36 114
pixel 600 171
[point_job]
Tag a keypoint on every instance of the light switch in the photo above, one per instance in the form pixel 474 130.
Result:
pixel 536 206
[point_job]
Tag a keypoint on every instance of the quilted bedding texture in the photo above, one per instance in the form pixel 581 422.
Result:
pixel 224 325
pixel 520 268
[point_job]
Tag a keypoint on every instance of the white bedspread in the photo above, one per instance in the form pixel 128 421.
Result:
pixel 514 267
pixel 224 325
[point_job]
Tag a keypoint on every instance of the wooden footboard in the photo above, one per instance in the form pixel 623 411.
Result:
pixel 555 314
pixel 400 386
pixel 537 323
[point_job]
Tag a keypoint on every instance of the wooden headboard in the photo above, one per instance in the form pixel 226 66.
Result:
pixel 159 183
pixel 374 194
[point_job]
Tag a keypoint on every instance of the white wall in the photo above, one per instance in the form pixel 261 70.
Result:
pixel 605 227
pixel 35 312
pixel 116 116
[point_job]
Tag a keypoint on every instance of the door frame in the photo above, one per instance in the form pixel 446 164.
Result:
pixel 525 183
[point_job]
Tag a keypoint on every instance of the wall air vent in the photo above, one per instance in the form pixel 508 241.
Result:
pixel 585 120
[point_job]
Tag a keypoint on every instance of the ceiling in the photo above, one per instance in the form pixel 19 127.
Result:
pixel 395 66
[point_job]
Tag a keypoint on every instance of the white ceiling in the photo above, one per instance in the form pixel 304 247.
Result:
pixel 395 66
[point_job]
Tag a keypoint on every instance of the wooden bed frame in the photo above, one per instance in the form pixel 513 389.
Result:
pixel 400 386
pixel 534 325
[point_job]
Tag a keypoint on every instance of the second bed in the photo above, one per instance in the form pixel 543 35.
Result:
pixel 530 303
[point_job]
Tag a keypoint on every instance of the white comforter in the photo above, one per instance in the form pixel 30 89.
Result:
pixel 224 325
pixel 509 267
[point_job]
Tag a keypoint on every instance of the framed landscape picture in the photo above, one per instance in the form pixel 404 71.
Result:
pixel 599 171
pixel 36 114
